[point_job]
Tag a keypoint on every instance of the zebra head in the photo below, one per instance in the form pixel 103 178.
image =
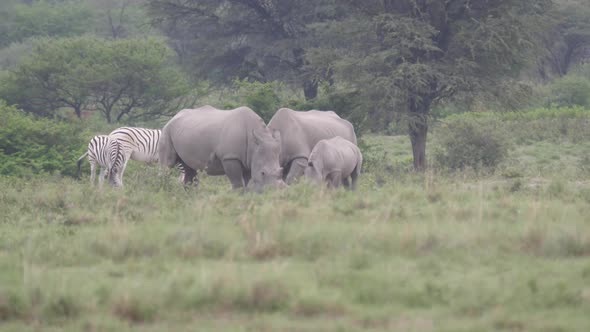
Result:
pixel 116 162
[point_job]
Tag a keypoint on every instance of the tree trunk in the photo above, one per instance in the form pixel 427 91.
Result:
pixel 78 111
pixel 419 108
pixel 107 114
pixel 567 58
pixel 418 131
pixel 310 89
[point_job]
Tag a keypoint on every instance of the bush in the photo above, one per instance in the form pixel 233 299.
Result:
pixel 262 98
pixel 571 90
pixel 473 143
pixel 31 145
pixel 572 123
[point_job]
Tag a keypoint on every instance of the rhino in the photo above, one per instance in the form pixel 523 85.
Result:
pixel 333 161
pixel 233 142
pixel 301 131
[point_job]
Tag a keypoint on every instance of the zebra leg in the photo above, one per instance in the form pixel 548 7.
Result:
pixel 92 172
pixel 120 175
pixel 101 176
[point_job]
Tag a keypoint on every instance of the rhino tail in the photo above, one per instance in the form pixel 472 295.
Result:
pixel 359 164
pixel 166 153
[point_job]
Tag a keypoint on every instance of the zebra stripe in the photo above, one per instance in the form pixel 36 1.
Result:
pixel 104 152
pixel 140 144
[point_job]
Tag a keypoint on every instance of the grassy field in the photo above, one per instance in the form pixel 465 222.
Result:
pixel 506 251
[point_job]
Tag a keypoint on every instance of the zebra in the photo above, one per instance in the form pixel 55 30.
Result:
pixel 105 152
pixel 140 144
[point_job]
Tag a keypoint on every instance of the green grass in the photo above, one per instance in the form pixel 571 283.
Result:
pixel 406 252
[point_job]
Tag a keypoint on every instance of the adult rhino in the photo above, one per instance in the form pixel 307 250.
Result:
pixel 231 142
pixel 301 131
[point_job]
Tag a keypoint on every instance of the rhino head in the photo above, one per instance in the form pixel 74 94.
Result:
pixel 265 168
pixel 312 172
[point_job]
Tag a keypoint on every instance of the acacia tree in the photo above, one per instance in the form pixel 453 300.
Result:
pixel 120 18
pixel 407 55
pixel 572 34
pixel 259 40
pixel 125 78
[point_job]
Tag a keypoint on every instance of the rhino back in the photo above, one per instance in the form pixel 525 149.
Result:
pixel 198 135
pixel 301 131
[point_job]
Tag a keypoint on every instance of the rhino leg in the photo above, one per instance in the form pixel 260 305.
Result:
pixel 296 170
pixel 247 176
pixel 354 177
pixel 334 179
pixel 234 171
pixel 189 176
pixel 346 183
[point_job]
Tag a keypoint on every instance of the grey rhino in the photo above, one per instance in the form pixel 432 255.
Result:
pixel 333 161
pixel 231 142
pixel 301 131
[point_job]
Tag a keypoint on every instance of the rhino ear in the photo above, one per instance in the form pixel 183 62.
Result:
pixel 257 137
pixel 276 134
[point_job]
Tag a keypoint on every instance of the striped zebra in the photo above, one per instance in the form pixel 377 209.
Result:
pixel 104 152
pixel 140 144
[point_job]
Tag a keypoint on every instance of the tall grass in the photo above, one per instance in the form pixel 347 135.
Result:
pixel 413 252
pixel 440 251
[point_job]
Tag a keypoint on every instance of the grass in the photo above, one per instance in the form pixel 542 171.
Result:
pixel 406 252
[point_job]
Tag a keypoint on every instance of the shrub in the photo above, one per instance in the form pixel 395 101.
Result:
pixel 536 124
pixel 571 90
pixel 262 98
pixel 473 143
pixel 31 145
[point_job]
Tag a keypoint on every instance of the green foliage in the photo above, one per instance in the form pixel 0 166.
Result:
pixel 571 90
pixel 262 98
pixel 554 124
pixel 123 79
pixel 257 40
pixel 462 252
pixel 31 146
pixel 120 18
pixel 11 55
pixel 44 18
pixel 470 143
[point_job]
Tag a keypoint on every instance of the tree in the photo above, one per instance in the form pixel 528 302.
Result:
pixel 573 34
pixel 30 145
pixel 258 40
pixel 61 19
pixel 408 55
pixel 120 18
pixel 127 78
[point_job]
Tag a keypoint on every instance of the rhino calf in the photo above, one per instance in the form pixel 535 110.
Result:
pixel 301 131
pixel 333 161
